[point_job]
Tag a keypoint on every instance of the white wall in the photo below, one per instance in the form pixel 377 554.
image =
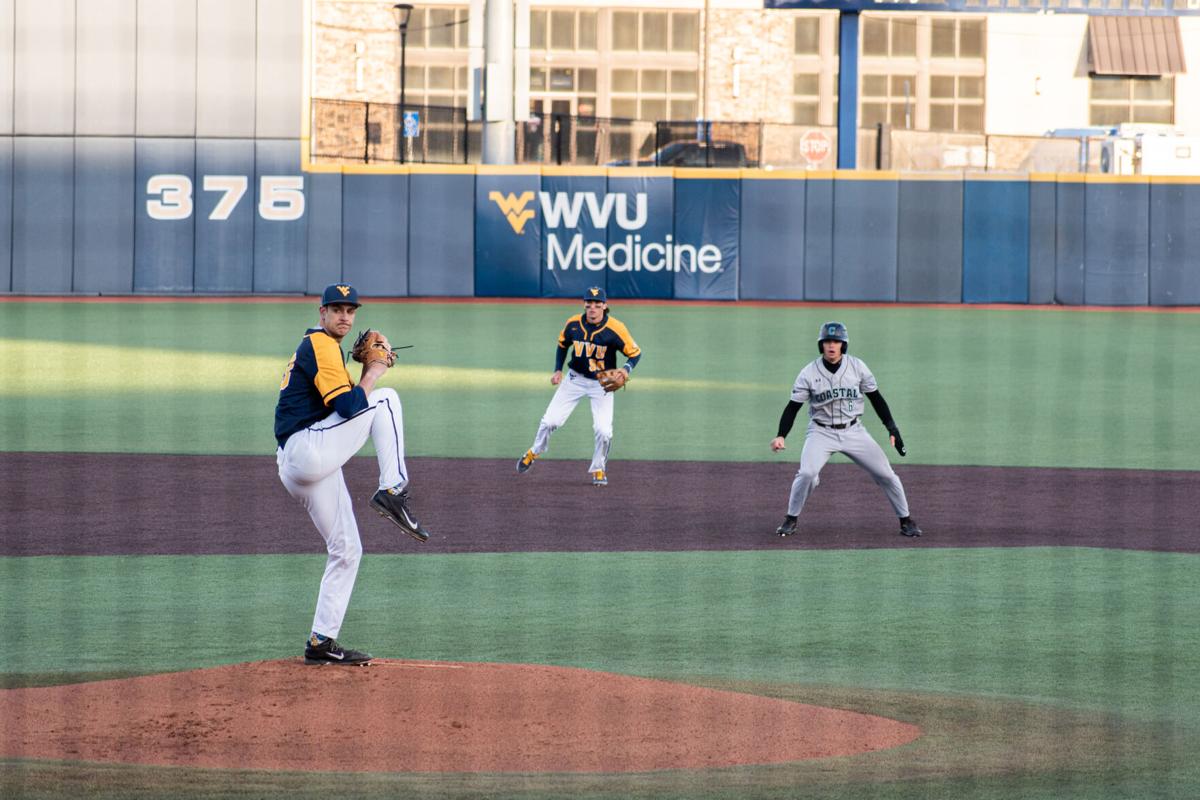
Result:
pixel 1036 73
pixel 1187 85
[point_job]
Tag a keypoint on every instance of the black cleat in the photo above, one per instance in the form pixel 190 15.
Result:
pixel 788 527
pixel 908 527
pixel 330 652
pixel 394 506
pixel 525 462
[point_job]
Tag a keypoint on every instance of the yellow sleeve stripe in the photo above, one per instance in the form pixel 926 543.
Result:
pixel 332 379
pixel 628 345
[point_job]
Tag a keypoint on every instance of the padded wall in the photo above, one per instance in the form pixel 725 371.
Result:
pixel 281 245
pixel 866 215
pixel 772 240
pixel 225 68
pixel 660 224
pixel 1117 256
pixel 1070 217
pixel 7 60
pixel 1174 244
pixel 43 79
pixel 707 215
pixel 818 239
pixel 375 234
pixel 929 253
pixel 995 262
pixel 166 68
pixel 103 253
pixel 573 228
pixel 43 196
pixel 508 233
pixel 441 245
pixel 164 249
pixel 1042 244
pixel 224 259
pixel 105 67
pixel 6 195
pixel 323 191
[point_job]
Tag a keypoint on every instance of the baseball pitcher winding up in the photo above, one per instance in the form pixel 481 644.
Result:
pixel 321 420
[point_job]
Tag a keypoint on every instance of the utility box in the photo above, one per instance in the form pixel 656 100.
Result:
pixel 1149 150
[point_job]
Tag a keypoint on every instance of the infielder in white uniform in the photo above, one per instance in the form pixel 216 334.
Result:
pixel 834 386
pixel 591 341
pixel 321 420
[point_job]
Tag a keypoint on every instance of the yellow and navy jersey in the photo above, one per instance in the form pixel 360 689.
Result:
pixel 593 348
pixel 315 384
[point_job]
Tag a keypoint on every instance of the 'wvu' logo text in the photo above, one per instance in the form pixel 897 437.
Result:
pixel 513 208
pixel 345 290
pixel 593 350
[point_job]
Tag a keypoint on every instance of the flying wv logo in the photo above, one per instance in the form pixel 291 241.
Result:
pixel 513 208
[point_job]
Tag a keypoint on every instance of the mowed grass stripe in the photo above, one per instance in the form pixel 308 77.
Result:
pixel 1090 628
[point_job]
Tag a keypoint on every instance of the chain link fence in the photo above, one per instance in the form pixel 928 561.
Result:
pixel 345 131
pixel 348 131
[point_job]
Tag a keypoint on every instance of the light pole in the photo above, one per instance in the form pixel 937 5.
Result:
pixel 402 11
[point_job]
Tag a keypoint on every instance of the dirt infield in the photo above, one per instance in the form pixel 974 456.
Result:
pixel 96 504
pixel 401 716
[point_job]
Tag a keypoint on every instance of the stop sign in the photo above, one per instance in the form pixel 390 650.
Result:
pixel 814 147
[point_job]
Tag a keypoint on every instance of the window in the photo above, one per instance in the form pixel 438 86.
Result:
pixel 807 36
pixel 656 31
pixel 562 30
pixel 888 98
pixel 956 38
pixel 685 32
pixel 889 36
pixel 806 98
pixel 440 28
pixel 442 85
pixel 655 94
pixel 1116 99
pixel 956 103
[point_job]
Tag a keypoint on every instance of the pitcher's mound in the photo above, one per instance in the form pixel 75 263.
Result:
pixel 407 716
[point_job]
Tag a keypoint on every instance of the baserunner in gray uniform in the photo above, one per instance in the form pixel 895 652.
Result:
pixel 834 386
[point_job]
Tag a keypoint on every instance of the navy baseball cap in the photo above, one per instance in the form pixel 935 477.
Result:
pixel 595 293
pixel 342 293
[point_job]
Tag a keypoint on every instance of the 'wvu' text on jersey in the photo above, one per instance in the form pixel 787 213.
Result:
pixel 594 348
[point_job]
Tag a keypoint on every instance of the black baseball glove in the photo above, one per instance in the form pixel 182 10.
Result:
pixel 897 441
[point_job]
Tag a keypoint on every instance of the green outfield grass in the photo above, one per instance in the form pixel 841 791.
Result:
pixel 1072 669
pixel 1025 387
pixel 1040 674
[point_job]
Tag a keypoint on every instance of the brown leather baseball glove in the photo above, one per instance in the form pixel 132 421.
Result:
pixel 612 379
pixel 372 346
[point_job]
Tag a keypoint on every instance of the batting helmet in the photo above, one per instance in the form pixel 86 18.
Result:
pixel 834 331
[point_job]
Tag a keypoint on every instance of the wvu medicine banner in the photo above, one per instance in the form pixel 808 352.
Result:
pixel 555 234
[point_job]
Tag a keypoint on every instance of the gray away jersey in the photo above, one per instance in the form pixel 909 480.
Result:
pixel 834 399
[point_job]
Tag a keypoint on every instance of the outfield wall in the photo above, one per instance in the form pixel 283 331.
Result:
pixel 122 215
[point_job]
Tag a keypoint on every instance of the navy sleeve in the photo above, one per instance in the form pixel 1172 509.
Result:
pixel 350 403
pixel 788 418
pixel 632 362
pixel 881 408
pixel 560 357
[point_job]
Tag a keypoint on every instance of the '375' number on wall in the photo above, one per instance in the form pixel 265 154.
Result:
pixel 280 197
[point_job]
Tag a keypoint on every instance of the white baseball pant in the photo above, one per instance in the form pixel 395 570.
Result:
pixel 575 387
pixel 310 467
pixel 820 443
